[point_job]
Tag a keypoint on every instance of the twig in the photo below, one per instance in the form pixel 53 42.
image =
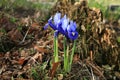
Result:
pixel 93 78
pixel 96 69
pixel 25 36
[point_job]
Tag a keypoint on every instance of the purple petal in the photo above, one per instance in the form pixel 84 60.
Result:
pixel 65 23
pixel 75 26
pixel 56 33
pixel 51 24
pixel 64 17
pixel 73 35
pixel 72 26
pixel 60 22
pixel 57 18
pixel 50 19
pixel 69 28
pixel 46 26
pixel 60 29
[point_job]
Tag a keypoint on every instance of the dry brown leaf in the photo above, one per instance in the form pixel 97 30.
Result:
pixel 50 42
pixel 37 15
pixel 60 44
pixel 35 25
pixel 26 21
pixel 42 49
pixel 37 56
pixel 15 35
pixel 21 61
pixel 24 53
pixel 54 68
pixel 76 58
pixel 34 28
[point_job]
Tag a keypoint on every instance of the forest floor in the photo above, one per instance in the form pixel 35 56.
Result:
pixel 26 50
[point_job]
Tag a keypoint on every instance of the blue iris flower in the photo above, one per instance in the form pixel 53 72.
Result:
pixel 54 23
pixel 69 29
pixel 63 26
pixel 72 32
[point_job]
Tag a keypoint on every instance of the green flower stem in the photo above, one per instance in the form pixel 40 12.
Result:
pixel 56 49
pixel 66 56
pixel 73 51
pixel 67 59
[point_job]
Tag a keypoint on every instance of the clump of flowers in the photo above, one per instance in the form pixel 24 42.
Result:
pixel 68 28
